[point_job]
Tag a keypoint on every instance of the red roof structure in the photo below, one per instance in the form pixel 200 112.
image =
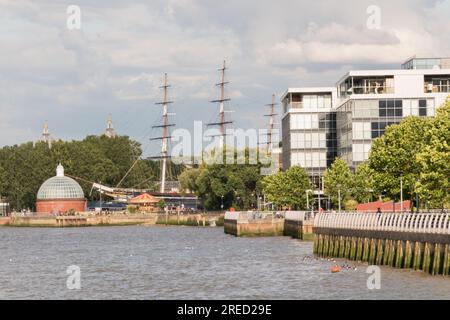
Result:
pixel 144 198
pixel 384 206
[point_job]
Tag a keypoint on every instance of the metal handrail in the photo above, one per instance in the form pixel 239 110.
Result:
pixel 438 223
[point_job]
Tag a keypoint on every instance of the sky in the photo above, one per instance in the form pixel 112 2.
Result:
pixel 114 64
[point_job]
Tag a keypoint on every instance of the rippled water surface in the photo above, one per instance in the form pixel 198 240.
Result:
pixel 185 263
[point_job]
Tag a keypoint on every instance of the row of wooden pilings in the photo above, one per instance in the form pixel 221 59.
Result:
pixel 433 258
pixel 396 245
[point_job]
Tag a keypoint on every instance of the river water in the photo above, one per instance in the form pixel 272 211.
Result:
pixel 186 263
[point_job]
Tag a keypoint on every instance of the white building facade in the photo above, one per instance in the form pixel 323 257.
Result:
pixel 316 130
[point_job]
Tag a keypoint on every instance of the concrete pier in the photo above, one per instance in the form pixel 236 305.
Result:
pixel 251 224
pixel 295 224
pixel 87 219
pixel 412 241
pixel 201 220
pixel 81 220
pixel 298 225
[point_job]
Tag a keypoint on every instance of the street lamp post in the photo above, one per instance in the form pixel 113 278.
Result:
pixel 417 198
pixel 221 206
pixel 401 191
pixel 101 205
pixel 339 196
pixel 307 202
pixel 371 195
pixel 401 194
pixel 318 200
pixel 307 199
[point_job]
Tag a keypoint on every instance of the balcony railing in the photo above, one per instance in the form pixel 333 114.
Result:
pixel 370 90
pixel 296 105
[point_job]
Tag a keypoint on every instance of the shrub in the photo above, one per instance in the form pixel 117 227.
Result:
pixel 350 205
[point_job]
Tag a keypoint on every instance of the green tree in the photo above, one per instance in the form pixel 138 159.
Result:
pixel 363 183
pixel 393 156
pixel 188 180
pixel 274 188
pixel 23 168
pixel 338 178
pixel 3 183
pixel 236 184
pixel 287 188
pixel 434 160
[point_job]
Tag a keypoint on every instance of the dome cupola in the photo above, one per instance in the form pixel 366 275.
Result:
pixel 60 187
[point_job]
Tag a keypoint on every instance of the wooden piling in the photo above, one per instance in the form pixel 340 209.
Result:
pixel 399 254
pixel 359 249
pixel 446 264
pixel 366 248
pixel 347 247
pixel 426 258
pixel 408 255
pixel 330 246
pixel 336 247
pixel 373 251
pixel 387 250
pixel 380 252
pixel 436 266
pixel 341 247
pixel 353 249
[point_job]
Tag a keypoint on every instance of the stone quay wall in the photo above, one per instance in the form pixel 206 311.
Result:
pixel 295 224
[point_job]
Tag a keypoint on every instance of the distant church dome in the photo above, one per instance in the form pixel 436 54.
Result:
pixel 60 188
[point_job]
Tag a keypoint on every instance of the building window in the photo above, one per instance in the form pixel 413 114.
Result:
pixel 316 101
pixel 423 108
pixel 390 108
pixel 304 121
pixel 437 83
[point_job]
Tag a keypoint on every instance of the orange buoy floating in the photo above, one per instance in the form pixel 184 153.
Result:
pixel 335 269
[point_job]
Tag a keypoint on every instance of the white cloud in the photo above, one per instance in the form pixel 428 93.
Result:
pixel 115 63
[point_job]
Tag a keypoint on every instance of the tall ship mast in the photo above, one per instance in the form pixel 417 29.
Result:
pixel 222 122
pixel 165 137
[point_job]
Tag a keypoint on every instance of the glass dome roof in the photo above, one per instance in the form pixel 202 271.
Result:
pixel 60 187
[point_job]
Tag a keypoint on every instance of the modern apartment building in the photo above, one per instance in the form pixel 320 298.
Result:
pixel 309 129
pixel 319 124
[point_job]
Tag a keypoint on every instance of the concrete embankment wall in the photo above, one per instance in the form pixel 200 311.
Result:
pixel 200 220
pixel 419 242
pixel 299 229
pixel 80 221
pixel 294 225
pixel 253 228
pixel 114 220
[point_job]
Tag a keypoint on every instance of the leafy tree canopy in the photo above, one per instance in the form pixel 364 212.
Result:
pixel 23 168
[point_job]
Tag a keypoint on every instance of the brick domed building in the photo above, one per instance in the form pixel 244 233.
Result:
pixel 60 194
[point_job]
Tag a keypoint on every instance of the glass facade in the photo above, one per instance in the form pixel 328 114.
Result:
pixel 296 100
pixel 360 121
pixel 422 63
pixel 60 188
pixel 320 124
pixel 312 142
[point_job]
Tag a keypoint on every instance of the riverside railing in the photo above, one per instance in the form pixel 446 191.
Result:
pixel 438 223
